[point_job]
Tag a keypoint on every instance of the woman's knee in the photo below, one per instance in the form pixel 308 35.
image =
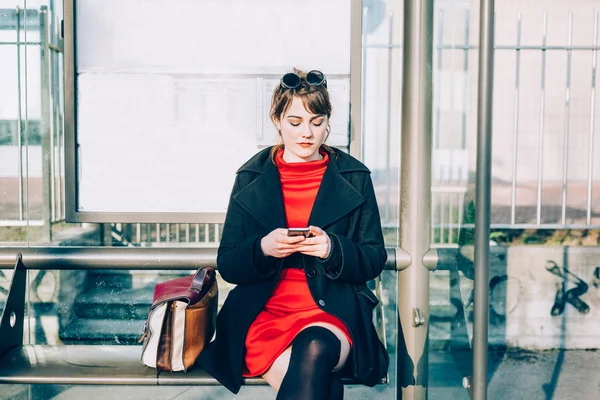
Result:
pixel 316 346
pixel 345 343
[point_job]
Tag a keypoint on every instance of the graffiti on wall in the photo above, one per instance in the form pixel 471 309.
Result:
pixel 569 289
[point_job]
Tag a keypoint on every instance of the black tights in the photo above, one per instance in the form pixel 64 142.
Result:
pixel 315 352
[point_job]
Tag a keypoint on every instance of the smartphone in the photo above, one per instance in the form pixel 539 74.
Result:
pixel 299 232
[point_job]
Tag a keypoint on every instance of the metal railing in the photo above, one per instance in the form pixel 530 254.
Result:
pixel 164 235
pixel 51 120
pixel 451 182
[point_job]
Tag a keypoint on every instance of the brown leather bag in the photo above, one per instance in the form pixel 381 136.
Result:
pixel 181 321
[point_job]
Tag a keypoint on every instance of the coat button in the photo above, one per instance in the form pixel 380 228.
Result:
pixel 321 303
pixel 311 273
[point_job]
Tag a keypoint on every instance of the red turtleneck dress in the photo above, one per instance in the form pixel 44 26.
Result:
pixel 291 306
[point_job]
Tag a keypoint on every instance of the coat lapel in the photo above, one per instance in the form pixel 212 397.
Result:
pixel 263 200
pixel 336 198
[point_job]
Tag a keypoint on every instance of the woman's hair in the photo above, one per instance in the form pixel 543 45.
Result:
pixel 314 98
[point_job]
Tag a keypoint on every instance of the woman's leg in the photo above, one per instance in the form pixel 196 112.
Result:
pixel 274 376
pixel 315 353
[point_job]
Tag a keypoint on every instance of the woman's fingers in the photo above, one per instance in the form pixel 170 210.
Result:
pixel 312 241
pixel 316 231
pixel 313 253
pixel 291 239
pixel 311 248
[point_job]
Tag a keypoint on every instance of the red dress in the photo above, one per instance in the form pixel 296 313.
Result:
pixel 291 306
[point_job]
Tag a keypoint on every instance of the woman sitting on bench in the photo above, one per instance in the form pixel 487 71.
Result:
pixel 301 239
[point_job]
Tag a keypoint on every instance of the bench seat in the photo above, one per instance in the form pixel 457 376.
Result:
pixel 95 365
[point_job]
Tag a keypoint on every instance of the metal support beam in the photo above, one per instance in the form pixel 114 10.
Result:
pixel 148 258
pixel 483 200
pixel 83 258
pixel 45 124
pixel 415 200
pixel 13 316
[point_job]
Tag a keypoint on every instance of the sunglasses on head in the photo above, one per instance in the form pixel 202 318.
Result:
pixel 292 80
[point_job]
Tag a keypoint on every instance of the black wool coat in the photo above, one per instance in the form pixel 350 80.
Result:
pixel 346 208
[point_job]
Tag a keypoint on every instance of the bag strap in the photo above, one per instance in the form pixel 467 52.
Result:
pixel 198 281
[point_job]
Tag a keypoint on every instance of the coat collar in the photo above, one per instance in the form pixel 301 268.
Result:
pixel 336 197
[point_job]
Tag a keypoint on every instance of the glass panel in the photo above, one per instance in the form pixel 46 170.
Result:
pixel 453 156
pixel 544 183
pixel 381 103
pixel 177 97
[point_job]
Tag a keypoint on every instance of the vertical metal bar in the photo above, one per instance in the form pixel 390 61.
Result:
pixel 450 219
pixel 388 172
pixel 483 199
pixel 513 204
pixel 61 160
pixel 60 132
pixel 459 206
pixel 432 216
pixel 436 199
pixel 187 233
pixel 465 80
pixel 415 198
pixel 438 81
pixel 138 233
pixel 206 233
pixel 356 36
pixel 157 233
pixel 56 105
pixel 45 130
pixel 19 120
pixel 53 133
pixel 70 116
pixel 217 233
pixel 197 233
pixel 592 122
pixel 567 122
pixel 26 87
pixel 442 218
pixel 542 116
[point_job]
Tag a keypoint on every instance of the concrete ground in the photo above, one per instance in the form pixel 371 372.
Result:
pixel 560 375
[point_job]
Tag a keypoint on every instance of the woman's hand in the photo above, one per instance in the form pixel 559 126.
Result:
pixel 319 245
pixel 278 244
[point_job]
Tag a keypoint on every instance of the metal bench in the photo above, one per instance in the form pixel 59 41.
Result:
pixel 102 364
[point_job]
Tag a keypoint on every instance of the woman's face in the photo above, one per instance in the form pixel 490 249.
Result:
pixel 302 133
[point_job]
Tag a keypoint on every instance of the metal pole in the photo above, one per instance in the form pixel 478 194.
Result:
pixel 483 199
pixel 19 120
pixel 588 219
pixel 144 258
pixel 465 97
pixel 565 177
pixel 513 202
pixel 45 131
pixel 388 172
pixel 542 125
pixel 356 78
pixel 415 198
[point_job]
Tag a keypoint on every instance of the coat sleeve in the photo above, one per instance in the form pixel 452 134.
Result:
pixel 240 258
pixel 360 259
